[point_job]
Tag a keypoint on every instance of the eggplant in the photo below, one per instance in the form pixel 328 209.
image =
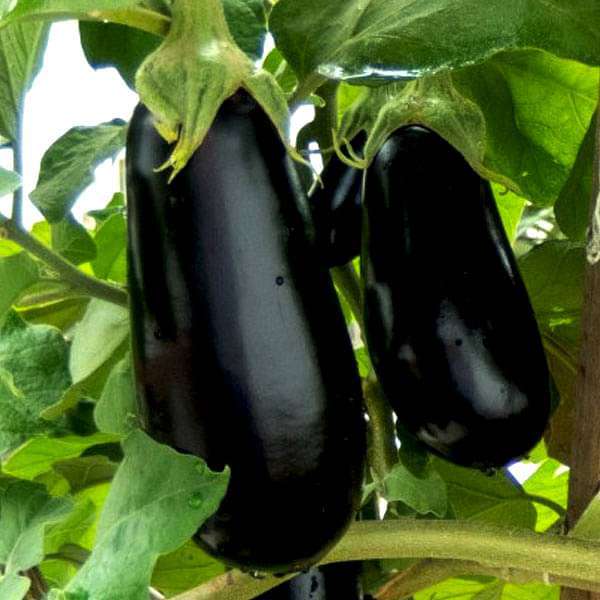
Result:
pixel 336 206
pixel 340 581
pixel 449 325
pixel 241 353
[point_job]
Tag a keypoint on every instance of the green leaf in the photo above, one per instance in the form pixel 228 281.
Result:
pixel 21 52
pixel 111 240
pixel 67 167
pixel 38 455
pixel 17 273
pixel 86 471
pixel 13 587
pixel 33 375
pixel 488 498
pixel 573 205
pixel 72 240
pixel 551 481
pixel 26 510
pixel 510 206
pixel 99 335
pixel 117 411
pixel 588 525
pixel 185 569
pixel 248 24
pixel 483 589
pixel 155 490
pixel 9 182
pixel 73 528
pixel 119 46
pixel 386 39
pixel 536 109
pixel 425 492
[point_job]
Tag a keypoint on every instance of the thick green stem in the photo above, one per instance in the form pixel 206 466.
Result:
pixel 346 280
pixel 500 552
pixel 68 273
pixel 305 88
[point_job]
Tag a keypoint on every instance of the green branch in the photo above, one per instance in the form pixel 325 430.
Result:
pixel 68 273
pixel 17 149
pixel 518 555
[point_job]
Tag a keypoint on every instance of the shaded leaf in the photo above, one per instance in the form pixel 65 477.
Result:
pixel 17 273
pixel 72 241
pixel 67 167
pixel 9 182
pixel 111 240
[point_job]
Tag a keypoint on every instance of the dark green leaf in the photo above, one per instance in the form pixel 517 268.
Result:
pixel 248 24
pixel 86 471
pixel 155 489
pixel 67 167
pixel 111 45
pixel 385 39
pixel 33 375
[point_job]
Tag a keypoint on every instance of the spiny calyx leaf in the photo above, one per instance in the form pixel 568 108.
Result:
pixel 196 68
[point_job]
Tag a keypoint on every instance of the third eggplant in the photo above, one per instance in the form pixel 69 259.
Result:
pixel 449 325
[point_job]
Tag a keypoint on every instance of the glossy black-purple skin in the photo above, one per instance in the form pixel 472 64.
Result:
pixel 241 352
pixel 339 581
pixel 336 206
pixel 449 324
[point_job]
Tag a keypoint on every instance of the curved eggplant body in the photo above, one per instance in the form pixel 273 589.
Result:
pixel 241 352
pixel 449 325
pixel 337 210
pixel 338 581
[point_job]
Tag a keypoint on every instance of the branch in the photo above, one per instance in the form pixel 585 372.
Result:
pixel 427 573
pixel 17 148
pixel 68 273
pixel 534 556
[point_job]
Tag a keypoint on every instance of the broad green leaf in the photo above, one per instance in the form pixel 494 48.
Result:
pixel 117 412
pixel 21 50
pixel 573 205
pixel 9 182
pixel 111 240
pixel 119 46
pixel 38 454
pixel 550 481
pixel 425 492
pixel 185 569
pixel 588 525
pixel 57 572
pixel 67 167
pixel 195 69
pixel 156 502
pixel 392 39
pixel 17 273
pixel 26 510
pixel 14 587
pixel 72 241
pixel 99 335
pixel 62 314
pixel 86 471
pixel 33 375
pixel 537 109
pixel 492 499
pixel 114 207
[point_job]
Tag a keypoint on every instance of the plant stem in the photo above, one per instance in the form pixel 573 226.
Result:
pixel 427 573
pixel 68 273
pixel 305 88
pixel 138 18
pixel 17 148
pixel 497 551
pixel 346 279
